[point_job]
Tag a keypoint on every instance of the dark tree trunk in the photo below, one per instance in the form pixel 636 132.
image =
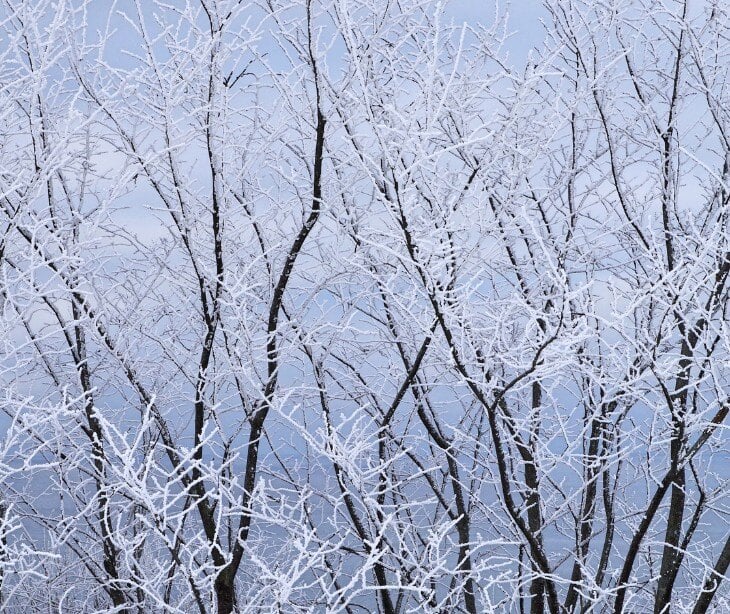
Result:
pixel 225 594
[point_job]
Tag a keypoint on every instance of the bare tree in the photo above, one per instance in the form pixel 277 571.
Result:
pixel 335 306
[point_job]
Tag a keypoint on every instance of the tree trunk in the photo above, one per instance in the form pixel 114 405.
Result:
pixel 225 594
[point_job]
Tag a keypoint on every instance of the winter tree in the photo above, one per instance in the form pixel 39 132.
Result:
pixel 364 306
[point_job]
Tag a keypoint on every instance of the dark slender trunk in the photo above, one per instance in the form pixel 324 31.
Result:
pixel 225 594
pixel 95 433
pixel 587 514
pixel 713 581
pixel 675 516
pixel 653 507
pixel 462 527
pixel 670 556
pixel 534 521
pixel 534 514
